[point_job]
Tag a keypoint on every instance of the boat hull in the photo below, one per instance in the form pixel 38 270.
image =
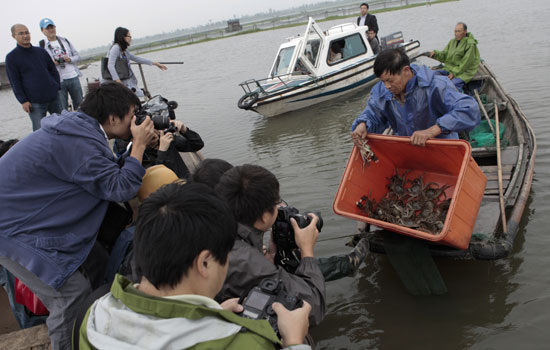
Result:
pixel 489 240
pixel 330 86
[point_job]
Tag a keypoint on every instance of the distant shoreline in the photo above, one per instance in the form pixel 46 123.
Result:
pixel 87 61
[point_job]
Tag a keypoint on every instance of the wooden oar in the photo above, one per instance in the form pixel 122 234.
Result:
pixel 484 112
pixel 499 168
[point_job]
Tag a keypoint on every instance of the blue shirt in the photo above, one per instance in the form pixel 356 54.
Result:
pixel 55 186
pixel 429 99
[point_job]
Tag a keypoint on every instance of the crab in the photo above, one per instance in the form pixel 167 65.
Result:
pixel 367 154
pixel 417 187
pixel 433 191
pixel 396 186
pixel 366 205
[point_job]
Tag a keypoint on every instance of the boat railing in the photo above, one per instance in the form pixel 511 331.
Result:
pixel 252 85
pixel 341 28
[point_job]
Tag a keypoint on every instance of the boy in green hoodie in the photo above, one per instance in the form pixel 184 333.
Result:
pixel 460 57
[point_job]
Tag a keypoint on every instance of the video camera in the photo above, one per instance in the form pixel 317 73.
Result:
pixel 257 304
pixel 288 254
pixel 161 112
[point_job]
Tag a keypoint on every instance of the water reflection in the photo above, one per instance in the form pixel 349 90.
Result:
pixel 374 310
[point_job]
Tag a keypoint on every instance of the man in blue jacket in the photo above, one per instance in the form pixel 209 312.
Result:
pixel 33 77
pixel 55 187
pixel 415 102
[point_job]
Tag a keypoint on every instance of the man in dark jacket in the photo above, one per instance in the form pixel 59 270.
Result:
pixel 366 19
pixel 252 193
pixel 33 77
pixel 55 187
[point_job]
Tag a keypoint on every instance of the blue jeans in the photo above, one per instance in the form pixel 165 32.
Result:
pixel 39 110
pixel 458 83
pixel 70 87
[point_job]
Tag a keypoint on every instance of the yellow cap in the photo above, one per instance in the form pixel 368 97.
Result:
pixel 155 177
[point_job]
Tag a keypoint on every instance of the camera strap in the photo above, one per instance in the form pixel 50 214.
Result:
pixel 60 44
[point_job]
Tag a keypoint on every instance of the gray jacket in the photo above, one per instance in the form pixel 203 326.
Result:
pixel 248 267
pixel 132 81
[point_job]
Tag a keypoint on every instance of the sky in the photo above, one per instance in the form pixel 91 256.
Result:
pixel 89 24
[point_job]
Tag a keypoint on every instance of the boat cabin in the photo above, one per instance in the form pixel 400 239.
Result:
pixel 319 52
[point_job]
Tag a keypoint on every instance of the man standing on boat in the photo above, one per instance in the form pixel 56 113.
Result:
pixel 55 188
pixel 366 19
pixel 65 57
pixel 460 57
pixel 415 102
pixel 33 77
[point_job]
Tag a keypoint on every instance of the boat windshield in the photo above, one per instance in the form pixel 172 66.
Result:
pixel 311 50
pixel 283 61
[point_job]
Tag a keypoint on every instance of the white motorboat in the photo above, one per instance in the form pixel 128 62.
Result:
pixel 316 67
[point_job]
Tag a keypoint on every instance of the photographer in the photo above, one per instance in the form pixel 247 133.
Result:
pixel 65 58
pixel 177 139
pixel 183 256
pixel 174 137
pixel 55 188
pixel 252 193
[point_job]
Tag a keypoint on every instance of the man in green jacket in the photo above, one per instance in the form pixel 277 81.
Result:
pixel 181 246
pixel 460 57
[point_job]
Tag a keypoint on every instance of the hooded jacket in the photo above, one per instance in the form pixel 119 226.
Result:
pixel 55 186
pixel 429 100
pixel 460 57
pixel 127 318
pixel 248 267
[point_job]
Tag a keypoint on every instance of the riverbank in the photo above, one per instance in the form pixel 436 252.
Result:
pixel 217 35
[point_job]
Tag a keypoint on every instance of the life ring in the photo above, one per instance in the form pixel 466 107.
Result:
pixel 248 100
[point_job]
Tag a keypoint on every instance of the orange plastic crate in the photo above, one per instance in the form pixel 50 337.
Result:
pixel 445 162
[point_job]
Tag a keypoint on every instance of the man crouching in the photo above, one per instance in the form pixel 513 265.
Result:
pixel 182 241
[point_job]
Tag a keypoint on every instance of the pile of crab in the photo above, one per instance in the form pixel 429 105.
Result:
pixel 409 203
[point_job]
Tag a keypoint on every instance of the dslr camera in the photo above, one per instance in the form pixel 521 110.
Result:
pixel 161 112
pixel 61 61
pixel 288 254
pixel 257 304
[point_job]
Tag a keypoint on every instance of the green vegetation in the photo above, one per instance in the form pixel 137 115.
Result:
pixel 249 31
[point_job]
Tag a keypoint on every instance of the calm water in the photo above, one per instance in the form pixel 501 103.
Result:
pixel 490 305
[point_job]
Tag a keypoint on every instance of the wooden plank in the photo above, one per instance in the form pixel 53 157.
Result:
pixel 493 168
pixel 494 184
pixel 488 216
pixel 35 338
pixel 494 176
pixel 509 155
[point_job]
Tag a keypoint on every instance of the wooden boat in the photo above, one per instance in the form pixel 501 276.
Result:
pixel 303 74
pixel 518 148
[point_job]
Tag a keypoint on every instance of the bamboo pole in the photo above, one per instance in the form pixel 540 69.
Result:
pixel 499 167
pixel 484 112
pixel 144 82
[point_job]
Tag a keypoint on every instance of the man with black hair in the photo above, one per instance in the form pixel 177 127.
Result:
pixel 183 237
pixel 55 187
pixel 65 58
pixel 210 170
pixel 252 193
pixel 366 19
pixel 415 102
